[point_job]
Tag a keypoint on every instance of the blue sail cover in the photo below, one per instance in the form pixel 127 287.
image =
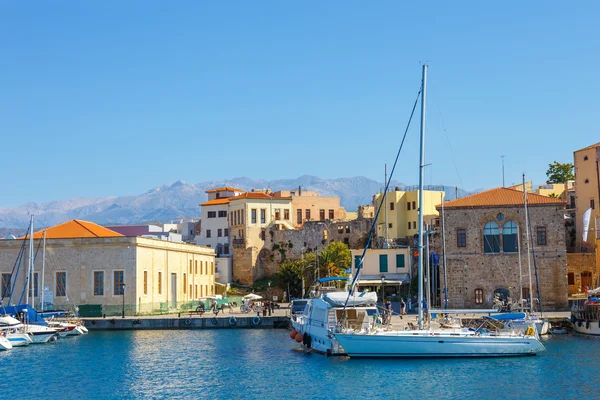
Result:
pixel 32 316
pixel 332 278
pixel 508 316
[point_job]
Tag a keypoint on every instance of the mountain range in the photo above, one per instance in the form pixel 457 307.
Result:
pixel 181 200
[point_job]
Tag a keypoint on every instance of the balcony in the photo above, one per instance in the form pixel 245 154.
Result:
pixel 238 242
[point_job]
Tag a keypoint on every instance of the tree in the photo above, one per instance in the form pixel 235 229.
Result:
pixel 560 173
pixel 289 277
pixel 335 259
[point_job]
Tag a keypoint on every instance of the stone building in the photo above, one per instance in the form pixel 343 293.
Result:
pixel 582 272
pixel 309 206
pixel 90 264
pixel 483 234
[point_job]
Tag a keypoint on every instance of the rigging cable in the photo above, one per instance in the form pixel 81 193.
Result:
pixel 17 266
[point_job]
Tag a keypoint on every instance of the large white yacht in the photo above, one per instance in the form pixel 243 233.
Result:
pixel 325 311
pixel 12 329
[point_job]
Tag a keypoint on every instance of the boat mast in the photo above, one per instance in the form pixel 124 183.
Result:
pixel 43 270
pixel 421 178
pixel 385 245
pixel 520 270
pixel 528 246
pixel 444 255
pixel 30 262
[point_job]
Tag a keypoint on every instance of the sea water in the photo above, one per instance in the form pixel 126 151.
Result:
pixel 265 364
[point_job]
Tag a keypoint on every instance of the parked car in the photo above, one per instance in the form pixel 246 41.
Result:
pixel 298 306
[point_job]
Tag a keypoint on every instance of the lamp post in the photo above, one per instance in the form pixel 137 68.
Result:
pixel 382 288
pixel 123 293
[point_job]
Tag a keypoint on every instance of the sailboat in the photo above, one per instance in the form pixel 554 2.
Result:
pixel 420 342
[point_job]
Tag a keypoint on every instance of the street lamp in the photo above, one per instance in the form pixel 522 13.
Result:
pixel 382 288
pixel 123 293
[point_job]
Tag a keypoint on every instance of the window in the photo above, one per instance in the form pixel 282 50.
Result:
pixel 347 241
pixel 286 214
pixel 119 282
pixel 145 282
pixel 190 290
pixel 585 158
pixel 356 261
pixel 212 267
pixel 61 284
pixel 461 238
pixel 525 293
pixel 390 225
pixel 340 229
pixel 571 278
pixel 222 214
pixel 409 225
pixel 191 267
pixel 491 238
pixel 219 232
pixel 331 215
pixel 196 269
pixel 253 215
pixel 414 224
pixel 226 232
pixel 408 205
pixel 34 292
pixel 263 215
pixel 299 217
pixel 383 263
pixel 6 285
pixel 347 228
pixel 322 215
pixel 587 181
pixel 391 206
pixel 414 207
pixel 541 235
pixel 277 214
pixel 195 290
pixel 592 205
pixel 208 233
pixel 308 214
pixel 226 248
pixel 478 296
pixel 184 283
pixel 98 283
pixel 400 261
pixel 509 237
pixel 212 214
pixel 159 282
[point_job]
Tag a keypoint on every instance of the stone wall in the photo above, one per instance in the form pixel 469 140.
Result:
pixel 578 264
pixel 469 268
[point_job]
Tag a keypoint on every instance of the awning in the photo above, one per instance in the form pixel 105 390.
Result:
pixel 387 281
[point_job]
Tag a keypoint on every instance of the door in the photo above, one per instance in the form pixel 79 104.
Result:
pixel 173 290
pixel 586 280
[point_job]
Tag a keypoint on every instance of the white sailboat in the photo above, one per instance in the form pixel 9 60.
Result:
pixel 462 342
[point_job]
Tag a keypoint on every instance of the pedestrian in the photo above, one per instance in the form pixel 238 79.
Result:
pixel 402 308
pixel 270 307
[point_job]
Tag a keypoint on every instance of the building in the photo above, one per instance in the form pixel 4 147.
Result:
pixel 89 264
pixel 587 187
pixel 582 272
pixel 310 206
pixel 251 214
pixel 485 240
pixel 214 229
pixel 401 212
pixel 385 270
pixel 152 231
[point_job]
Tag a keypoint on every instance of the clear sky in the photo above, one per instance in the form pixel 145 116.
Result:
pixel 114 98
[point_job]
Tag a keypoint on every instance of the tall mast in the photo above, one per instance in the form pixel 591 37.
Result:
pixel 520 270
pixel 43 271
pixel 30 262
pixel 444 255
pixel 385 245
pixel 421 178
pixel 528 245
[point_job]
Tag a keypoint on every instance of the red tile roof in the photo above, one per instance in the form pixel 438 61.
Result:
pixel 224 189
pixel 589 147
pixel 501 197
pixel 257 195
pixel 214 202
pixel 75 229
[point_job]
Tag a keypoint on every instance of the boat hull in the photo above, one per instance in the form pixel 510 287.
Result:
pixel 5 344
pixel 593 328
pixel 19 339
pixel 412 345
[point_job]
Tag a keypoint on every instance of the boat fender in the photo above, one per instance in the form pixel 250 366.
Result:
pixel 214 321
pixel 328 352
pixel 112 321
pixel 299 337
pixel 308 341
pixel 188 321
pixel 256 320
pixel 579 323
pixel 93 322
pixel 232 321
pixel 530 331
pixel 587 324
pixel 293 334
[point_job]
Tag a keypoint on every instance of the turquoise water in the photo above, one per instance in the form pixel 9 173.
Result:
pixel 262 364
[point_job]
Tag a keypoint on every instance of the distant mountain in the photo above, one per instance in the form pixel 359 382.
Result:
pixel 181 199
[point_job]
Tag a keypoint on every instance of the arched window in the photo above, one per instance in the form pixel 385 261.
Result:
pixel 510 243
pixel 491 238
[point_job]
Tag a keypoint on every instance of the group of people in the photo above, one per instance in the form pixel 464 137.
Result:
pixel 387 310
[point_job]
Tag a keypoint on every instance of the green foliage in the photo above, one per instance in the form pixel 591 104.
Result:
pixel 289 277
pixel 560 173
pixel 334 259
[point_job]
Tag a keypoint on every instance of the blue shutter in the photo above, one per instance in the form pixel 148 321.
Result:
pixel 400 261
pixel 356 261
pixel 383 263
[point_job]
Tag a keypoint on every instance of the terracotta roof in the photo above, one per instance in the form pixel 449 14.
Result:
pixel 214 202
pixel 75 229
pixel 589 147
pixel 501 197
pixel 224 189
pixel 257 195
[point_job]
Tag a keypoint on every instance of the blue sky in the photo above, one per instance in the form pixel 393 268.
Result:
pixel 114 98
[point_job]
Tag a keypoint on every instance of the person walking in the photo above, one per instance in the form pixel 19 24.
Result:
pixel 402 308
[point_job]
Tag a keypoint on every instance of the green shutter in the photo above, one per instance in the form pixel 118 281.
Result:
pixel 399 260
pixel 383 263
pixel 356 261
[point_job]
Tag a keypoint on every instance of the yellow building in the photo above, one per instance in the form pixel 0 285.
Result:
pixel 310 206
pixel 88 264
pixel 387 269
pixel 402 210
pixel 587 182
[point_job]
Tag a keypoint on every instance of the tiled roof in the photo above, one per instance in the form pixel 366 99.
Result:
pixel 501 197
pixel 75 229
pixel 589 147
pixel 214 202
pixel 224 189
pixel 257 195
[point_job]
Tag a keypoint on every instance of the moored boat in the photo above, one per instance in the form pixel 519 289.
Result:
pixel 586 321
pixel 5 344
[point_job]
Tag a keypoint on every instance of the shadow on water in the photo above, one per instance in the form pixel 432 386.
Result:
pixel 262 364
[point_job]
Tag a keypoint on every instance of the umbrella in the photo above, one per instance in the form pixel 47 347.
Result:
pixel 252 296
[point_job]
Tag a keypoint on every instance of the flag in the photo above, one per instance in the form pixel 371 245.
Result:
pixel 586 223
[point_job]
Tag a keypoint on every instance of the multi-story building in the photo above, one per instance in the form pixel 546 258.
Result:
pixel 587 187
pixel 402 211
pixel 485 236
pixel 214 229
pixel 310 206
pixel 90 264
pixel 385 270
pixel 250 215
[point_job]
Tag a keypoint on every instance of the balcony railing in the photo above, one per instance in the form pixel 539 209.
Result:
pixel 238 242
